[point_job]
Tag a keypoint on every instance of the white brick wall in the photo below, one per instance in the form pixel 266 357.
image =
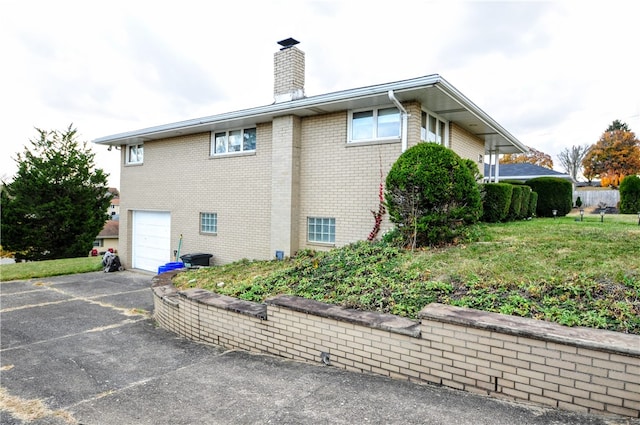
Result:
pixel 258 211
pixel 178 175
pixel 597 371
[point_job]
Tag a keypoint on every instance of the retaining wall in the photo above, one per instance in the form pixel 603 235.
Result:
pixel 576 369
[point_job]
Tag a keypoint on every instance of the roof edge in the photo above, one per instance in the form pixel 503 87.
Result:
pixel 449 89
pixel 306 102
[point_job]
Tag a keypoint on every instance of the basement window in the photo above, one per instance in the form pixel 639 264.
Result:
pixel 209 223
pixel 321 229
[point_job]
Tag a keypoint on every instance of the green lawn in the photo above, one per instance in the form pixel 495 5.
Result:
pixel 35 269
pixel 570 272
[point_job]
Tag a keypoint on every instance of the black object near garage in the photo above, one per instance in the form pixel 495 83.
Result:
pixel 199 259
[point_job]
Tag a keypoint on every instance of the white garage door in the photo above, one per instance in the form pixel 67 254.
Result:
pixel 151 245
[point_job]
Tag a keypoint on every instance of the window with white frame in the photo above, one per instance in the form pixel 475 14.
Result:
pixel 232 141
pixel 374 124
pixel 209 222
pixel 135 154
pixel 433 129
pixel 321 229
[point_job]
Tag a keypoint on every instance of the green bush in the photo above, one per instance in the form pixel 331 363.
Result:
pixel 431 195
pixel 496 198
pixel 516 203
pixel 630 195
pixel 554 193
pixel 533 202
pixel 524 203
pixel 473 167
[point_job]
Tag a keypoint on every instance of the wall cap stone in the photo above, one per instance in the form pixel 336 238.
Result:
pixel 596 339
pixel 164 279
pixel 225 302
pixel 387 322
pixel 163 288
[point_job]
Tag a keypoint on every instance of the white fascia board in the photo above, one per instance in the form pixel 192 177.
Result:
pixel 276 108
pixel 479 113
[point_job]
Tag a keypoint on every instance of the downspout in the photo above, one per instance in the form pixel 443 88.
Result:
pixel 405 119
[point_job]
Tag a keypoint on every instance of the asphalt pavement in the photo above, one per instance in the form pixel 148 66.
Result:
pixel 83 349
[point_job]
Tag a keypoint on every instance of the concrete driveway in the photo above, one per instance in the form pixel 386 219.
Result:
pixel 82 349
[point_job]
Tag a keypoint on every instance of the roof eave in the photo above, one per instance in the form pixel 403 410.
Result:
pixel 290 107
pixel 315 105
pixel 480 114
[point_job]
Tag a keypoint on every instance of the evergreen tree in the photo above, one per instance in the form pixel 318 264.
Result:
pixel 57 203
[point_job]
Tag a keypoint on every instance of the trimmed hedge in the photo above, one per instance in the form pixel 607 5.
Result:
pixel 516 203
pixel 553 194
pixel 630 195
pixel 533 202
pixel 431 195
pixel 524 205
pixel 495 201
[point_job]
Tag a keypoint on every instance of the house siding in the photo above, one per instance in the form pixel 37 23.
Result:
pixel 466 145
pixel 107 244
pixel 302 167
pixel 340 180
pixel 178 175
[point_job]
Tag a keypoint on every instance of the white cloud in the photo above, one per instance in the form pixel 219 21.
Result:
pixel 554 74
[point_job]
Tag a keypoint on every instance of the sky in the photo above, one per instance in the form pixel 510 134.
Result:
pixel 553 73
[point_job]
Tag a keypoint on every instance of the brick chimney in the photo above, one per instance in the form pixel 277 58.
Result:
pixel 288 72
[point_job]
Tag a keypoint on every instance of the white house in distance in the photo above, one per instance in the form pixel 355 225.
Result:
pixel 301 172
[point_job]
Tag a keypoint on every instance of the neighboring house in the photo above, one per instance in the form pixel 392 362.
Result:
pixel 114 208
pixel 302 172
pixel 108 237
pixel 520 172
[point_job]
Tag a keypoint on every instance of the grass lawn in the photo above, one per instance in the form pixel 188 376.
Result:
pixel 562 270
pixel 35 269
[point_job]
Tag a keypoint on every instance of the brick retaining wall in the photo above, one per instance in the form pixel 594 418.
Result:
pixel 577 369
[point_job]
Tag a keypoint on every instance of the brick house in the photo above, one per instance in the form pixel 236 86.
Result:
pixel 302 172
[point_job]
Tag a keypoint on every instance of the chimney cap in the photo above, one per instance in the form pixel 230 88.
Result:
pixel 286 43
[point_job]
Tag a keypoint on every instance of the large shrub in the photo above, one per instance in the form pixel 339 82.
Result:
pixel 496 198
pixel 516 203
pixel 473 167
pixel 524 203
pixel 533 203
pixel 630 195
pixel 554 193
pixel 431 195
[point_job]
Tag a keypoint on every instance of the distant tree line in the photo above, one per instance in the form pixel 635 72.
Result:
pixel 613 157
